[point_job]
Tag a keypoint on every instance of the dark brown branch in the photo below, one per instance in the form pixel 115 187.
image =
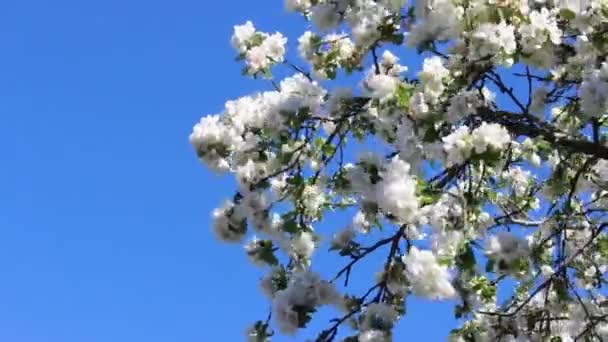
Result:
pixel 530 126
pixel 558 271
pixel 367 251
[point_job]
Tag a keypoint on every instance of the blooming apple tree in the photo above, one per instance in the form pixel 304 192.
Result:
pixel 481 176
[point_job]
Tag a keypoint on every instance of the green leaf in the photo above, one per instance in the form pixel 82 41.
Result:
pixel 561 289
pixel 288 216
pixel 256 40
pixel 291 227
pixel 267 254
pixel 304 315
pixel 403 94
pixel 602 245
pixel 295 180
pixel 430 134
pixel 490 265
pixel 318 143
pixel 396 39
pixel 285 158
pixel 567 14
pixel 331 73
pixel 459 311
pixel 466 259
pixel 329 149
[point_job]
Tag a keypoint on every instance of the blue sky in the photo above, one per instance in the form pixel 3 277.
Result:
pixel 104 209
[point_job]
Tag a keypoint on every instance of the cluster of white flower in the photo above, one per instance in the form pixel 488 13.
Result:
pixel 217 137
pixel 396 192
pixel 572 322
pixel 305 292
pixel 302 246
pixel 260 50
pixel 496 41
pixel 364 17
pixel 539 37
pixel 379 86
pixel 458 145
pixel 298 5
pixel 343 238
pixel 389 64
pixel 490 137
pixel 374 336
pixel 467 102
pixel 427 277
pixel 601 170
pixel 327 54
pixel 376 324
pixel 213 141
pixel 382 83
pixel 359 175
pixel 432 78
pixel 539 100
pixel 259 251
pixel 446 220
pixel 594 91
pixel 365 21
pixel 408 144
pixel 325 15
pixel 464 152
pixel 462 143
pixel 506 248
pixel 229 222
pixel 436 20
pixel 313 199
pixel 518 178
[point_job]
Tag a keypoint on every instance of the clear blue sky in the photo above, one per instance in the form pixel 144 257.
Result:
pixel 104 210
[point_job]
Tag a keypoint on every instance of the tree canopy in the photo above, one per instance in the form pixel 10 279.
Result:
pixel 478 172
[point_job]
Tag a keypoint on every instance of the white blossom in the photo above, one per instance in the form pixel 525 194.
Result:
pixel 229 223
pixel 343 238
pixel 213 141
pixel 259 49
pixel 305 291
pixel 506 247
pixel 437 19
pixel 428 278
pixel 396 193
pixel 494 40
pixel 303 245
pixel 484 174
pixel 379 86
pixel 458 146
pixel 373 336
pixel 594 92
pixel 432 75
pixel 378 316
pixel 242 35
pixel 467 102
pixel 306 46
pixel 325 16
pixel 297 5
pixel 539 36
pixel 518 178
pixel 365 21
pixel 490 136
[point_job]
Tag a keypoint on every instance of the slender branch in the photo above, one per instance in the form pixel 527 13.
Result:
pixel 550 279
pixel 367 251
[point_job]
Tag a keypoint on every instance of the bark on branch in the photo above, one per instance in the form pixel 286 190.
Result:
pixel 530 126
